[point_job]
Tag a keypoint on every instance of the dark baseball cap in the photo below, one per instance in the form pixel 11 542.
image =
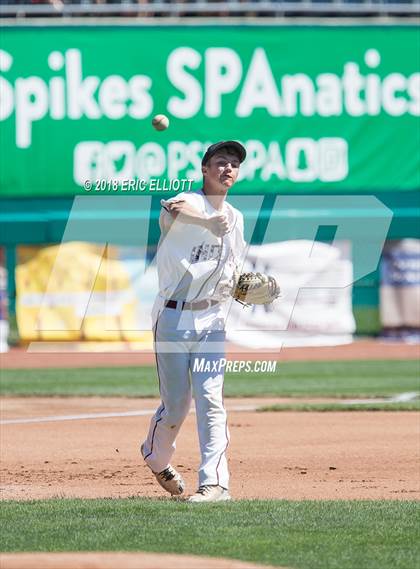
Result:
pixel 236 146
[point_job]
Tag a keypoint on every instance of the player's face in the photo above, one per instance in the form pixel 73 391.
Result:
pixel 222 170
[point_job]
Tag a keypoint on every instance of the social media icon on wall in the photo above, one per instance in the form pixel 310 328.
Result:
pixel 333 159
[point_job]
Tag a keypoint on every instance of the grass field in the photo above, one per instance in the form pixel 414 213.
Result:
pixel 291 379
pixel 304 535
pixel 295 534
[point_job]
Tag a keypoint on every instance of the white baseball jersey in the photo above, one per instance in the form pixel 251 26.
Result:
pixel 193 264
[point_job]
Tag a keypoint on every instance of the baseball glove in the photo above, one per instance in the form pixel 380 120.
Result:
pixel 255 288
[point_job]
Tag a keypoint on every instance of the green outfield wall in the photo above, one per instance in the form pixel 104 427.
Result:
pixel 319 108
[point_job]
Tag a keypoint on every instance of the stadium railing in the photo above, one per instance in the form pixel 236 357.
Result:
pixel 272 8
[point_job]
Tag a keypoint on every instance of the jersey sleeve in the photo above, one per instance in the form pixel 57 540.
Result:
pixel 190 197
pixel 165 218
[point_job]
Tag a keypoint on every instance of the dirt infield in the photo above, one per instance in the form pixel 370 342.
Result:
pixel 361 349
pixel 96 560
pixel 342 455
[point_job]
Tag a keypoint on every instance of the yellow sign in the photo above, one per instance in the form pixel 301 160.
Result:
pixel 76 291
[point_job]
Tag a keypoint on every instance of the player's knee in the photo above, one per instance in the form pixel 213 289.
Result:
pixel 211 406
pixel 177 411
pixel 211 400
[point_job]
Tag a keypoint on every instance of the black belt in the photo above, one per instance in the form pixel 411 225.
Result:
pixel 183 305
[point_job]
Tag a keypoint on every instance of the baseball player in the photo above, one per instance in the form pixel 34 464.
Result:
pixel 201 245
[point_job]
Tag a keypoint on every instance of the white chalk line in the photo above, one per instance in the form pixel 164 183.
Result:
pixel 88 416
pixel 400 398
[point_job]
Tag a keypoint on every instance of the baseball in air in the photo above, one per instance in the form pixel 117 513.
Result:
pixel 160 122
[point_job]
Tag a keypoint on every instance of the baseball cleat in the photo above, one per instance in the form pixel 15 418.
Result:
pixel 171 481
pixel 210 493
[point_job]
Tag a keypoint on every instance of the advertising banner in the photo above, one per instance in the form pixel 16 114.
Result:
pixel 80 291
pixel 318 108
pixel 4 312
pixel 399 291
pixel 316 304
